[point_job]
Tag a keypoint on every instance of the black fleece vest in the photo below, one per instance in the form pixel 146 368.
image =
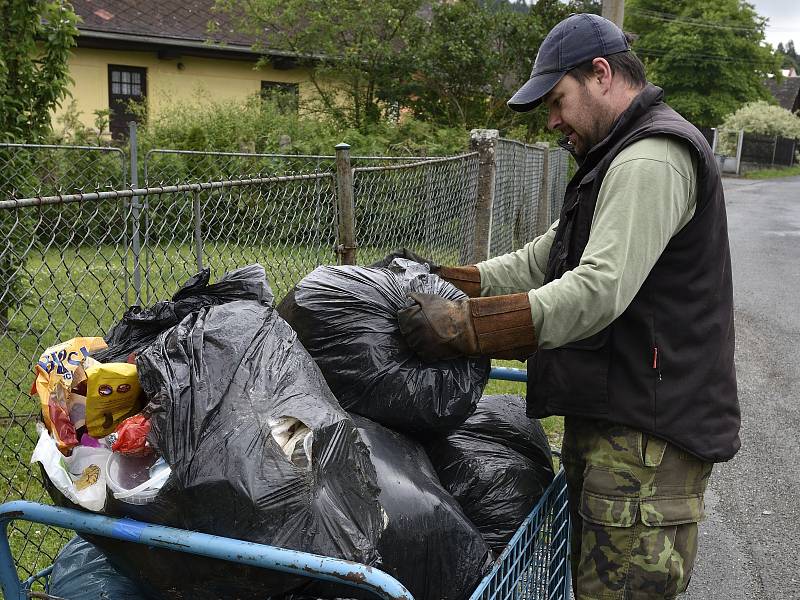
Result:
pixel 665 366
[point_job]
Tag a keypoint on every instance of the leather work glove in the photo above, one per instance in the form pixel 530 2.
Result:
pixel 467 279
pixel 496 326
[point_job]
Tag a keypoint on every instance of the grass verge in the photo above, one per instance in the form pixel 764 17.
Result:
pixel 553 426
pixel 773 173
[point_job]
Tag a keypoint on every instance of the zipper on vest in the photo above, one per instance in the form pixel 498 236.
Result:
pixel 656 364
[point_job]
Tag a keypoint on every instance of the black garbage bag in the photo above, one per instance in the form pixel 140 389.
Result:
pixel 82 572
pixel 501 418
pixel 428 544
pixel 346 318
pixel 230 388
pixel 140 327
pixel 497 465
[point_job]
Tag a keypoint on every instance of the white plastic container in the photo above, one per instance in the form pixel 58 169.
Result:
pixel 136 480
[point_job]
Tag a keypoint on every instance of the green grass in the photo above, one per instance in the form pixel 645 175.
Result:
pixel 553 426
pixel 773 173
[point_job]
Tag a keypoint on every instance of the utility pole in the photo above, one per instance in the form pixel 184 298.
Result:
pixel 614 10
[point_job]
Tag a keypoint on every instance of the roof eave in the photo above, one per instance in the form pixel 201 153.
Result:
pixel 152 41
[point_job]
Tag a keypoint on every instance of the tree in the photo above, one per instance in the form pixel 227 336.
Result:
pixel 35 41
pixel 708 55
pixel 355 50
pixel 787 55
pixel 471 56
pixel 451 63
pixel 462 61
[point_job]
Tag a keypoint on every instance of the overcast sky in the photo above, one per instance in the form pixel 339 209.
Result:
pixel 784 20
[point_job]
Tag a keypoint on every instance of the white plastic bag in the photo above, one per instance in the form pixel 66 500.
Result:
pixel 80 477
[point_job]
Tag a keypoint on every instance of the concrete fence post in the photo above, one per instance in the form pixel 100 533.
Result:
pixel 345 204
pixel 739 144
pixel 543 219
pixel 484 142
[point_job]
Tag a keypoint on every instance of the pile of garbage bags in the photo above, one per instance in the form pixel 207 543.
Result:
pixel 240 427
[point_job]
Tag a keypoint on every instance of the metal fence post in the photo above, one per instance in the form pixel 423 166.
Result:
pixel 198 229
pixel 345 203
pixel 135 243
pixel 484 142
pixel 543 219
pixel 774 148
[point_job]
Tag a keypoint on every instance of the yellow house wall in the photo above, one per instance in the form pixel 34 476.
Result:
pixel 219 79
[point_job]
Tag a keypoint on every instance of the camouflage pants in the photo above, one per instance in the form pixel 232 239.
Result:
pixel 635 501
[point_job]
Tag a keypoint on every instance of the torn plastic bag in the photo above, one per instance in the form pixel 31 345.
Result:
pixel 82 572
pixel 497 466
pixel 233 395
pixel 428 545
pixel 346 317
pixel 139 326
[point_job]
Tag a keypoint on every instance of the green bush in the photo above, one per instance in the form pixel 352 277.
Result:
pixel 257 125
pixel 761 118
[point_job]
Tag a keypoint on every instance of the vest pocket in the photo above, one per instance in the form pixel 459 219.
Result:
pixel 574 377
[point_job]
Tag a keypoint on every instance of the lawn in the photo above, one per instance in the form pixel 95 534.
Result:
pixel 84 292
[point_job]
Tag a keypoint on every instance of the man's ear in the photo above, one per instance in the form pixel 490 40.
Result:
pixel 602 74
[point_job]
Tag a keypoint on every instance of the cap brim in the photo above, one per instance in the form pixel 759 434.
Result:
pixel 530 95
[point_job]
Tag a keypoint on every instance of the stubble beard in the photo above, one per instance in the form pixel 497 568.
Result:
pixel 598 122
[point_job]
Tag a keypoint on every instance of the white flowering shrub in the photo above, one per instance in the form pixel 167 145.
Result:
pixel 757 117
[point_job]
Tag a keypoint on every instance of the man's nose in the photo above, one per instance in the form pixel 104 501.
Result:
pixel 553 119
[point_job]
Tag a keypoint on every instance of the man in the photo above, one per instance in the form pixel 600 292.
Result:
pixel 625 308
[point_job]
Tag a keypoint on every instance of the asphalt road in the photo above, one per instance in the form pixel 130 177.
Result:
pixel 750 544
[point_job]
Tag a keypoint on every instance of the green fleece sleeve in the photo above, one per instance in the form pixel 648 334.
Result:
pixel 518 271
pixel 647 196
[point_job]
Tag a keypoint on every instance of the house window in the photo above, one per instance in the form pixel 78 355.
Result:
pixel 287 95
pixel 125 85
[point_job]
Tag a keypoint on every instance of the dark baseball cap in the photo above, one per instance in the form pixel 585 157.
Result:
pixel 574 41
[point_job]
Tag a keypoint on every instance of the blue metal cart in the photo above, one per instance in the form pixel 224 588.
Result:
pixel 534 565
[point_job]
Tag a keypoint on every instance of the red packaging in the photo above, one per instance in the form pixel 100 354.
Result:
pixel 132 436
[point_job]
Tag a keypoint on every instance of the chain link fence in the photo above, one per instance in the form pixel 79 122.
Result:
pixel 518 183
pixel 42 170
pixel 79 253
pixel 166 167
pixel 63 270
pixel 557 177
pixel 427 205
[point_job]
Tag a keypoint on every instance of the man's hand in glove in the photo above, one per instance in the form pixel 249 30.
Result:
pixel 496 326
pixel 467 279
pixel 408 254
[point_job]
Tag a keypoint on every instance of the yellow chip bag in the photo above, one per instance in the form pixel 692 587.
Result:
pixel 113 394
pixel 55 377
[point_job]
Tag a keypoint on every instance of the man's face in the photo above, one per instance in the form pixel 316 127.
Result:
pixel 577 110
